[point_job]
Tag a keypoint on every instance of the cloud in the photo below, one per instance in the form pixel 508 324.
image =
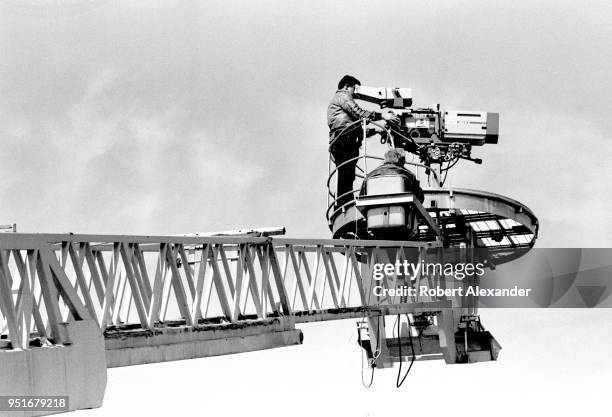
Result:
pixel 185 117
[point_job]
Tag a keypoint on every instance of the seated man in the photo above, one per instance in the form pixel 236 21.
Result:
pixel 394 165
pixel 403 224
pixel 344 140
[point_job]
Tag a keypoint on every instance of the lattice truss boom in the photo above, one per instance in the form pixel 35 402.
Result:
pixel 148 282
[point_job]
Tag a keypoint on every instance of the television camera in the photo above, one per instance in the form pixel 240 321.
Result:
pixel 436 136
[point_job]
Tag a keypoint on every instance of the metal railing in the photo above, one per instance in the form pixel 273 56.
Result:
pixel 333 209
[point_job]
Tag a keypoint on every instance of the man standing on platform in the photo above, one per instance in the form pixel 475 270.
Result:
pixel 345 140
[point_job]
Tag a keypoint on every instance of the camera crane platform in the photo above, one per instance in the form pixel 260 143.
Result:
pixel 440 139
pixel 392 204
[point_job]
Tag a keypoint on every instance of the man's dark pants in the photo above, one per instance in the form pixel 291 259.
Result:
pixel 343 149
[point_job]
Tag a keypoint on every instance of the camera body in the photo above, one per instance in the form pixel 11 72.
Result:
pixel 451 126
pixel 427 125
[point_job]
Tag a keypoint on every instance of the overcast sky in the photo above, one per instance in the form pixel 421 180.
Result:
pixel 177 117
pixel 172 117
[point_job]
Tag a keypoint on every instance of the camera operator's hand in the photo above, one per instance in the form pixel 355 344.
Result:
pixel 391 118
